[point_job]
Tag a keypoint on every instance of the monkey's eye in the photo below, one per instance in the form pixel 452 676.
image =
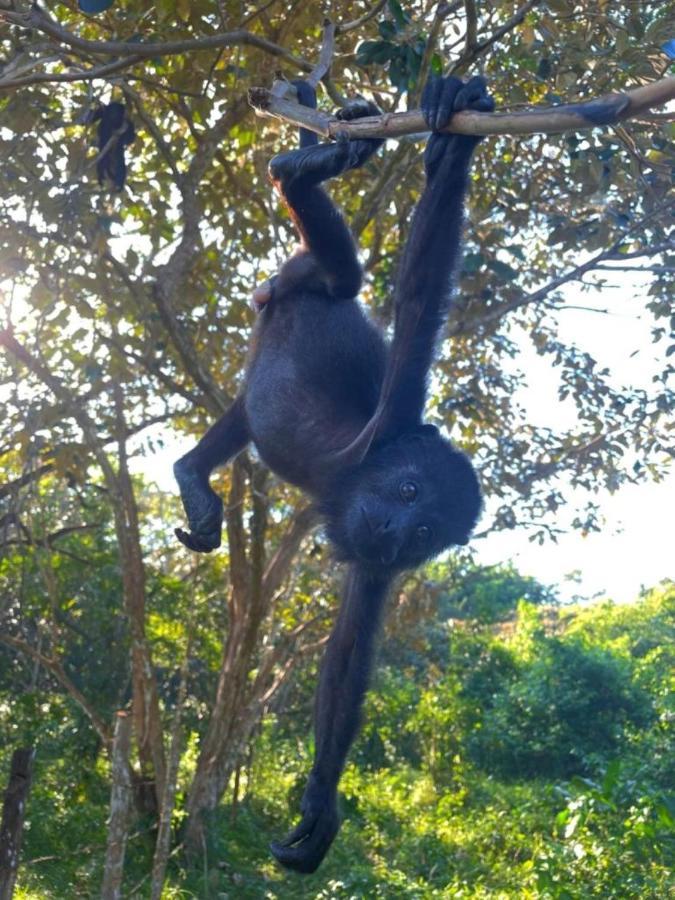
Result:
pixel 408 492
pixel 423 533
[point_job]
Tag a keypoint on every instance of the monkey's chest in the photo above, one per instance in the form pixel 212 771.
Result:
pixel 312 383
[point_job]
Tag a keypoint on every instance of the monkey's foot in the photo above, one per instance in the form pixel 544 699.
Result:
pixel 357 109
pixel 204 510
pixel 319 162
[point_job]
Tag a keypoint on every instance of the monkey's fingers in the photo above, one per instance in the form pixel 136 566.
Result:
pixel 357 109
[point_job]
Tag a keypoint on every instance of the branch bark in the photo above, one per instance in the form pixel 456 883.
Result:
pixel 38 20
pixel 606 110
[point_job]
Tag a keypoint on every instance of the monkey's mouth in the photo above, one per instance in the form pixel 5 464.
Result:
pixel 377 556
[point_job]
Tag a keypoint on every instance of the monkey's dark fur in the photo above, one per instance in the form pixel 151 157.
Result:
pixel 113 122
pixel 333 409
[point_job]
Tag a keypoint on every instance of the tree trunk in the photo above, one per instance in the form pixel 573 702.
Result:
pixel 121 798
pixel 145 700
pixel 163 844
pixel 13 813
pixel 225 739
pixel 240 702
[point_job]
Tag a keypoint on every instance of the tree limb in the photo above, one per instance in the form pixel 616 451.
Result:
pixel 37 19
pixel 54 666
pixel 605 110
pixel 473 51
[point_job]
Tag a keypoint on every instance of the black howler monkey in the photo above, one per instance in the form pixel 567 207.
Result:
pixel 335 409
pixel 113 123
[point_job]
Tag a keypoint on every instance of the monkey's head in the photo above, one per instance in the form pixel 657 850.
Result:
pixel 406 502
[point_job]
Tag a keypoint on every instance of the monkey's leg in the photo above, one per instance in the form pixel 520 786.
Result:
pixel 203 507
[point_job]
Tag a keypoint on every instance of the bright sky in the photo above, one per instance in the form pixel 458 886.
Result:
pixel 637 544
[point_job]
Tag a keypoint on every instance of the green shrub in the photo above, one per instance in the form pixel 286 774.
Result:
pixel 569 706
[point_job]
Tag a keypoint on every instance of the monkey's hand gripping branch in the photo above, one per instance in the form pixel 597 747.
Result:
pixel 606 110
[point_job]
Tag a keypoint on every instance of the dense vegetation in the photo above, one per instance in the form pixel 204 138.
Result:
pixel 529 757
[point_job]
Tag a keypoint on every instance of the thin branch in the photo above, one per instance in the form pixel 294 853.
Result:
pixel 575 274
pixel 322 68
pixel 85 75
pixel 38 20
pixel 277 567
pixel 656 270
pixel 357 23
pixel 481 46
pixel 54 666
pixel 605 110
pixel 57 387
pixel 471 38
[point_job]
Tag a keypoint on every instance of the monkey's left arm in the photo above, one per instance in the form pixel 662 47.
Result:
pixel 342 686
pixel 430 256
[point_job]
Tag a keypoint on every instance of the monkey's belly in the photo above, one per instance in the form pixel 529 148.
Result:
pixel 294 428
pixel 312 384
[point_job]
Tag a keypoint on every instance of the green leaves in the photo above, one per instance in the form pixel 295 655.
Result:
pixel 400 51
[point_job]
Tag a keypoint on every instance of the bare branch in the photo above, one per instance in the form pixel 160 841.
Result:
pixel 38 20
pixel 605 110
pixel 322 67
pixel 607 255
pixel 276 570
pixel 471 37
pixel 357 23
pixel 85 75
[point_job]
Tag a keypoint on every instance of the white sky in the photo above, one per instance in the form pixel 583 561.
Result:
pixel 637 544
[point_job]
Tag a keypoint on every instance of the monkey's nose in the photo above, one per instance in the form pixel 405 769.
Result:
pixel 379 528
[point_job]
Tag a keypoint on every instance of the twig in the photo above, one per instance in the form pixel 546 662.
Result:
pixel 322 67
pixel 605 110
pixel 471 38
pixel 479 47
pixel 85 75
pixel 357 23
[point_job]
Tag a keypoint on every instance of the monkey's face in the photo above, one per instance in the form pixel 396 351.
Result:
pixel 405 503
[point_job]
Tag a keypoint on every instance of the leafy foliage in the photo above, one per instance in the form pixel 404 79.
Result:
pixel 423 817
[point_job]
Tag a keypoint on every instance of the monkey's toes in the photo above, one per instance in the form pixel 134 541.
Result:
pixel 200 543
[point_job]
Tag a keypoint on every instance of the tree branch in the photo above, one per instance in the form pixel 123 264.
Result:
pixel 54 666
pixel 471 37
pixel 606 110
pixel 38 20
pixel 102 71
pixel 276 570
pixel 475 50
